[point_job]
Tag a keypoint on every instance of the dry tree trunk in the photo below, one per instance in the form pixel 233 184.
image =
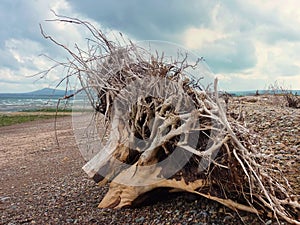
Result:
pixel 166 131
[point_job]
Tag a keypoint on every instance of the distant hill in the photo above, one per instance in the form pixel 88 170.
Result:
pixel 42 92
pixel 47 91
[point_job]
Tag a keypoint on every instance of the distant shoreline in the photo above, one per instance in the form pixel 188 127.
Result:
pixel 261 92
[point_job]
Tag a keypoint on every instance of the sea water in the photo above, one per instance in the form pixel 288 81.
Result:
pixel 21 102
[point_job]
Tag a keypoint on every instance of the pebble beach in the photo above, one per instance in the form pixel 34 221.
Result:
pixel 43 183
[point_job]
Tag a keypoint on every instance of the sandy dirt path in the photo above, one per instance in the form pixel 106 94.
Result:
pixel 30 151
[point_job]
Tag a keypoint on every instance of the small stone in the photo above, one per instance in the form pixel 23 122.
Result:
pixel 4 199
pixel 179 203
pixel 227 218
pixel 69 220
pixel 193 211
pixel 221 210
pixel 140 220
pixel 93 220
pixel 269 222
pixel 14 207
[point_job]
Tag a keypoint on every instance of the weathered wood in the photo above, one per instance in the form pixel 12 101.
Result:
pixel 168 131
pixel 120 195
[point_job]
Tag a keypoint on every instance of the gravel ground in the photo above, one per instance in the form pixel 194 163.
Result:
pixel 42 183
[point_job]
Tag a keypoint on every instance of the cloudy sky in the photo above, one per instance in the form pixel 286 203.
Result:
pixel 248 44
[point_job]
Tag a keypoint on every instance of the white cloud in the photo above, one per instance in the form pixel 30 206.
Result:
pixel 20 51
pixel 195 38
pixel 255 44
pixel 23 50
pixel 277 62
pixel 284 10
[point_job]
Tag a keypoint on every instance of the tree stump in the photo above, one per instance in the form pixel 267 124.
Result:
pixel 168 131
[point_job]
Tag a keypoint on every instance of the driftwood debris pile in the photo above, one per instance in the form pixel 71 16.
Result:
pixel 168 131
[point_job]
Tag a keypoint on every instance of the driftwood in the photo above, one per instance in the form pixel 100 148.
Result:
pixel 165 130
